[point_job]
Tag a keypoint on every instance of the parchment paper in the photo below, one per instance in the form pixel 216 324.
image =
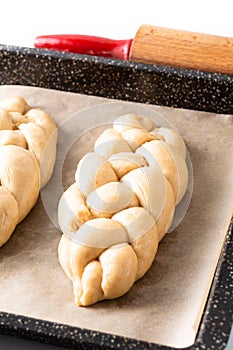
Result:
pixel 166 305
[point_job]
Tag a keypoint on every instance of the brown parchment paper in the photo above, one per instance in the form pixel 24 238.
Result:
pixel 166 305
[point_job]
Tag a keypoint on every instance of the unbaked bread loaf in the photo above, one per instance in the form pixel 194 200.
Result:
pixel 120 206
pixel 28 140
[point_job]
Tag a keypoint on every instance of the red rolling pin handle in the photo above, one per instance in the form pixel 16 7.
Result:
pixel 85 44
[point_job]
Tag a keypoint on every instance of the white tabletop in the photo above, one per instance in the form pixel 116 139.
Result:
pixel 21 21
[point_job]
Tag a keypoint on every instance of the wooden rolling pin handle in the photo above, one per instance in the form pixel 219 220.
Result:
pixel 178 48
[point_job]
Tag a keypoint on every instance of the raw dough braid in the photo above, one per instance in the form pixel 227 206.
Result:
pixel 28 140
pixel 120 206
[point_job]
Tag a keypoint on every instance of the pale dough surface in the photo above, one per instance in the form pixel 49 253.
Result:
pixel 127 215
pixel 28 139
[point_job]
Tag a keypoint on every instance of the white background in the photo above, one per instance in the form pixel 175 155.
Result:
pixel 22 20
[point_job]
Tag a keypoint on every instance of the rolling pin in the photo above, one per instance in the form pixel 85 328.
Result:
pixel 153 45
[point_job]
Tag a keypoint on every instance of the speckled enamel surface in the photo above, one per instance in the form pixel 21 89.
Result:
pixel 117 79
pixel 140 83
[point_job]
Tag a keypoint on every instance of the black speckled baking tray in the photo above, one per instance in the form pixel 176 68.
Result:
pixel 137 82
pixel 117 79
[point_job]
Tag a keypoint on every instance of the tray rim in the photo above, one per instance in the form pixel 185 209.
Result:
pixel 154 84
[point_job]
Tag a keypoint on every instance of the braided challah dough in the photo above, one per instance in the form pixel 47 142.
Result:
pixel 28 140
pixel 120 206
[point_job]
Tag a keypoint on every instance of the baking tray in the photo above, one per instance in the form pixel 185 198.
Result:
pixel 130 81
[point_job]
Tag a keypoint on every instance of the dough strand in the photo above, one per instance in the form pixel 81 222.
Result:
pixel 28 140
pixel 128 188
